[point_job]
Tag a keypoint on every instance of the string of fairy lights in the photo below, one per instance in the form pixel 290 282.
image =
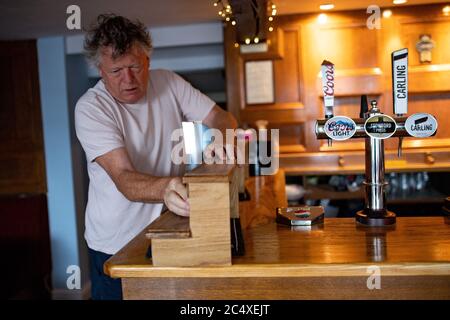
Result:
pixel 225 11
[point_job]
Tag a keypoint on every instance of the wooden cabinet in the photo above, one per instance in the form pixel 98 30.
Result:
pixel 25 246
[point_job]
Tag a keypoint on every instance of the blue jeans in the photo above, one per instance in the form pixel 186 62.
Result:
pixel 103 287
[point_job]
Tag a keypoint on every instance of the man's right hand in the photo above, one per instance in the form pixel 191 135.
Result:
pixel 175 197
pixel 141 187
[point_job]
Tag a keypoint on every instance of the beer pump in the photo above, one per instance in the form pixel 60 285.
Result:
pixel 327 71
pixel 375 127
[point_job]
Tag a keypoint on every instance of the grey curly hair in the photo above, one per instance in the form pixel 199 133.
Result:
pixel 118 32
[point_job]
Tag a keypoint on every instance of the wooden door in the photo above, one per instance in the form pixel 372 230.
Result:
pixel 24 228
pixel 22 168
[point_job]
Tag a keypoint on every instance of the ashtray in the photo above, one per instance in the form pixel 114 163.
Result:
pixel 300 216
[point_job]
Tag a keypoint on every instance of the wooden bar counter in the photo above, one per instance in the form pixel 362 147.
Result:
pixel 335 260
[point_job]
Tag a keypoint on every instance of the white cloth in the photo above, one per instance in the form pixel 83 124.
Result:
pixel 103 124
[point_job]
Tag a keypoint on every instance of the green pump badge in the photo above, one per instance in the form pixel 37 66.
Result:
pixel 380 126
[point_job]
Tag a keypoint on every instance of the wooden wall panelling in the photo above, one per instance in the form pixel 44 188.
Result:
pixel 429 83
pixel 426 86
pixel 357 71
pixel 287 111
pixel 291 136
pixel 429 78
pixel 234 73
pixel 320 43
pixel 357 68
pixel 437 104
pixel 234 66
pixel 354 82
pixel 311 63
pixel 349 45
pixel 389 41
pixel 352 162
pixel 363 66
pixel 436 27
pixel 287 71
pixel 275 48
pixel 277 114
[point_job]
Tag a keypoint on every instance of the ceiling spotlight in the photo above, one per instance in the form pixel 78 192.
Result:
pixel 322 18
pixel 247 41
pixel 387 13
pixel 270 29
pixel 446 10
pixel 327 6
pixel 256 40
pixel 399 1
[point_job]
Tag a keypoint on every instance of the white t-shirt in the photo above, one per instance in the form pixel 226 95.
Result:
pixel 103 124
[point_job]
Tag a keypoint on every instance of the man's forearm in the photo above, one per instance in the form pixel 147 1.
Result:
pixel 220 119
pixel 226 122
pixel 141 187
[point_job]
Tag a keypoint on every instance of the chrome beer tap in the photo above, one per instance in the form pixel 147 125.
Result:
pixel 375 126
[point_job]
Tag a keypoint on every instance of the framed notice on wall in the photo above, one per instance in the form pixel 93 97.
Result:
pixel 259 87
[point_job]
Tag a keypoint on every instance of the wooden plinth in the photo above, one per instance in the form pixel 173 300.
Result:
pixel 213 199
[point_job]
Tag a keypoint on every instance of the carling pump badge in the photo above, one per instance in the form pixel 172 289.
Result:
pixel 421 125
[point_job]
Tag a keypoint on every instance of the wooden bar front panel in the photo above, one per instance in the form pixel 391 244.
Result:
pixel 425 287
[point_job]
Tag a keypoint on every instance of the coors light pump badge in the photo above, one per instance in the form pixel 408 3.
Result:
pixel 340 128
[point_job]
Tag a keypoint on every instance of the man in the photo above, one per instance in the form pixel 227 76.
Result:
pixel 124 124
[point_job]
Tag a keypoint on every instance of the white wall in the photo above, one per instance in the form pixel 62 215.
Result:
pixel 56 119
